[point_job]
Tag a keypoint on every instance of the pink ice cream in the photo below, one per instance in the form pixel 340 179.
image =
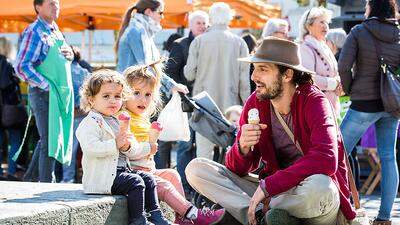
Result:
pixel 124 119
pixel 154 131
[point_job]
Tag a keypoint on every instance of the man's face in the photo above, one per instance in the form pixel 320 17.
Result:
pixel 49 10
pixel 268 80
pixel 198 26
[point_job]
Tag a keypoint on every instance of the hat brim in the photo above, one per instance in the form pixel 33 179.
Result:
pixel 254 59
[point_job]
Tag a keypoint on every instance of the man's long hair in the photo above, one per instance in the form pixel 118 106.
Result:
pixel 299 77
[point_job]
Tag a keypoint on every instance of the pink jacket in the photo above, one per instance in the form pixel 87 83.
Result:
pixel 316 56
pixel 318 136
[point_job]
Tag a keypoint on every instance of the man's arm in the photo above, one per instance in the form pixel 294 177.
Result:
pixel 322 154
pixel 190 69
pixel 175 63
pixel 28 56
pixel 235 160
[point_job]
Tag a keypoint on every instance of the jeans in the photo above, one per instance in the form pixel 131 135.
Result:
pixel 14 140
pixel 163 156
pixel 185 154
pixel 69 170
pixel 140 189
pixel 41 166
pixel 354 125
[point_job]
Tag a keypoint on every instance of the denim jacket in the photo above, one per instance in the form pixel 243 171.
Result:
pixel 136 47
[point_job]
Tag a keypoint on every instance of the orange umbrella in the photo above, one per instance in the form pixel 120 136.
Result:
pixel 106 14
pixel 85 14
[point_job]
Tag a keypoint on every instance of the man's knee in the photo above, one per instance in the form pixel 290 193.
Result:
pixel 197 168
pixel 319 184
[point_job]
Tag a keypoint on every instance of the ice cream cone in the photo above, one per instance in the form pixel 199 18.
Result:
pixel 124 119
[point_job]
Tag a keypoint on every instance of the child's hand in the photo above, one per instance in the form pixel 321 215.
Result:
pixel 121 139
pixel 153 148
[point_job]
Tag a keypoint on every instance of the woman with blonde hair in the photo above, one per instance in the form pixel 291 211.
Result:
pixel 317 56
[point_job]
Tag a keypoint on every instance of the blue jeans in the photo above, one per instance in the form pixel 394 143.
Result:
pixel 185 154
pixel 41 166
pixel 70 170
pixel 14 140
pixel 354 125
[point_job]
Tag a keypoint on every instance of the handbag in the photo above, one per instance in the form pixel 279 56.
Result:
pixel 13 116
pixel 390 83
pixel 361 215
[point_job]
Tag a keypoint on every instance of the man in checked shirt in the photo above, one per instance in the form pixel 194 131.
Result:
pixel 36 41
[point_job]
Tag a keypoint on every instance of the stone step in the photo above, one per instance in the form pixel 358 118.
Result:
pixel 60 204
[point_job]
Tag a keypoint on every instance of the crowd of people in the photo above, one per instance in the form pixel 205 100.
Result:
pixel 299 144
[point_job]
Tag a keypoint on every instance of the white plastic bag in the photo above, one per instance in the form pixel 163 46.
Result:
pixel 174 121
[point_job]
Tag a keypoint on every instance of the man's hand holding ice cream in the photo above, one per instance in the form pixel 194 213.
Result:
pixel 250 133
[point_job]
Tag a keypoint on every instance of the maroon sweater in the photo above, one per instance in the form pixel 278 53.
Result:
pixel 315 128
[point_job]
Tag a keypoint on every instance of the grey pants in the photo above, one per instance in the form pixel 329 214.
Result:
pixel 315 199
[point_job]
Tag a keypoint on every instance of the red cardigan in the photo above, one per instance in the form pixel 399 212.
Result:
pixel 315 128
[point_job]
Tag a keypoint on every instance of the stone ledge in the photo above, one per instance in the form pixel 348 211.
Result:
pixel 61 204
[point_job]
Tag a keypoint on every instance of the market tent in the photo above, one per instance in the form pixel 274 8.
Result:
pixel 85 14
pixel 106 14
pixel 248 13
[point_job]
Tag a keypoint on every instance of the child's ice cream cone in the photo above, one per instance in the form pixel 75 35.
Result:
pixel 253 118
pixel 124 119
pixel 154 131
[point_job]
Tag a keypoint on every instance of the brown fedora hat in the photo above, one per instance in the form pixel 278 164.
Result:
pixel 278 51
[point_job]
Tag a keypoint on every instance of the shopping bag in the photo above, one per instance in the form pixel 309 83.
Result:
pixel 174 121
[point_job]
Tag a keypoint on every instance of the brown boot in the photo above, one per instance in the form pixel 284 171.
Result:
pixel 387 222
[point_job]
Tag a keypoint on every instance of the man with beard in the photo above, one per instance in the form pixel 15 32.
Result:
pixel 304 178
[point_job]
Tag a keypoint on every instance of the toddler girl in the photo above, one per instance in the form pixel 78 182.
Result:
pixel 106 146
pixel 144 82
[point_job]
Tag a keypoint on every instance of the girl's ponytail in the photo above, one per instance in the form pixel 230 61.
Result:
pixel 125 22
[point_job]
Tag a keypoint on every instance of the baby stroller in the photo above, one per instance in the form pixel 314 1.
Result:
pixel 208 120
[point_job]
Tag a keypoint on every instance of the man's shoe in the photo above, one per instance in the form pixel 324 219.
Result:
pixel 13 178
pixel 384 222
pixel 279 217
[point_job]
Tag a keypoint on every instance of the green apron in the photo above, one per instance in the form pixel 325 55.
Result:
pixel 57 71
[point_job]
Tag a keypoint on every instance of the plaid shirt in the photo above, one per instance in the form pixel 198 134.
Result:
pixel 33 50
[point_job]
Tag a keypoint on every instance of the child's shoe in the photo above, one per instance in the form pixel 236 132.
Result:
pixel 183 221
pixel 158 218
pixel 141 221
pixel 207 216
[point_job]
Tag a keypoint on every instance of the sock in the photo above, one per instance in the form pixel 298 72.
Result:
pixel 191 214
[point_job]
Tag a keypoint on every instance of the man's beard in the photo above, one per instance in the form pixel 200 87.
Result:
pixel 272 92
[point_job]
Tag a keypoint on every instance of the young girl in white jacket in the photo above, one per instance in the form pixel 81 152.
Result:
pixel 106 144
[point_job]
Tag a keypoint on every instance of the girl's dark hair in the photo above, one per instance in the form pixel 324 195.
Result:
pixel 383 9
pixel 140 7
pixel 299 77
pixel 250 41
pixel 37 2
